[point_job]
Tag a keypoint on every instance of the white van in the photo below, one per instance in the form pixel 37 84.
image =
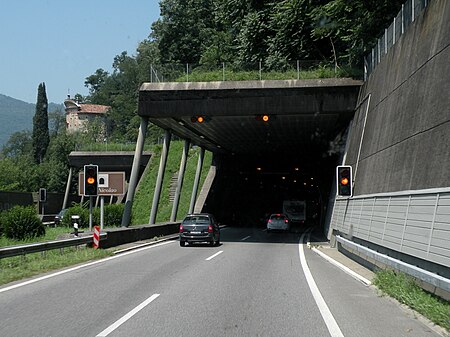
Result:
pixel 295 210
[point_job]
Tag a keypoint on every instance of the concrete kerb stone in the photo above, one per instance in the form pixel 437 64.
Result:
pixel 140 244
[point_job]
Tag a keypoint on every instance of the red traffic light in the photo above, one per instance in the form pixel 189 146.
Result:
pixel 264 118
pixel 199 119
pixel 90 180
pixel 344 181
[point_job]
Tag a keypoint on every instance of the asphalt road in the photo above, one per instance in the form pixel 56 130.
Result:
pixel 253 284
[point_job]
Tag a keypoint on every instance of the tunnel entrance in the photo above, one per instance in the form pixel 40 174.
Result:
pixel 247 189
pixel 260 162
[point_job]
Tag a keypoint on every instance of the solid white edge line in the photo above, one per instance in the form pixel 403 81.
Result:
pixel 125 318
pixel 79 267
pixel 213 256
pixel 327 316
pixel 247 237
pixel 344 268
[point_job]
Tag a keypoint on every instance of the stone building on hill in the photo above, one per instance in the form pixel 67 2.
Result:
pixel 81 117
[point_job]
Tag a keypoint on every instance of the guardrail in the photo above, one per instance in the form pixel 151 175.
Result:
pixel 49 245
pixel 433 279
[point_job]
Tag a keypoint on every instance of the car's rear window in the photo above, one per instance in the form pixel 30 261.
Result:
pixel 196 219
pixel 277 217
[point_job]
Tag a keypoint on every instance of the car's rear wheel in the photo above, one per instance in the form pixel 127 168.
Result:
pixel 182 243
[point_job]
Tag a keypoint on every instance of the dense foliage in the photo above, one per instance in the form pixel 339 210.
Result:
pixel 112 215
pixel 241 34
pixel 214 31
pixel 203 33
pixel 21 223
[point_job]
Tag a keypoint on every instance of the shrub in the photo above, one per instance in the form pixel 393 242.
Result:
pixel 79 210
pixel 21 223
pixel 112 216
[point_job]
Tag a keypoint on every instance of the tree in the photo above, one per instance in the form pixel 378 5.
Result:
pixel 41 137
pixel 352 27
pixel 182 31
pixel 292 33
pixel 57 120
pixel 19 144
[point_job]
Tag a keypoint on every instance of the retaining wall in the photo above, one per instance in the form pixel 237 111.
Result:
pixel 399 148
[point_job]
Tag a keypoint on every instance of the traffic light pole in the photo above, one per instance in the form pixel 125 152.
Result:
pixel 90 213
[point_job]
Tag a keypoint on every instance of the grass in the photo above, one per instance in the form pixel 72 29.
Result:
pixel 321 71
pixel 405 290
pixel 51 233
pixel 20 267
pixel 144 194
pixel 94 147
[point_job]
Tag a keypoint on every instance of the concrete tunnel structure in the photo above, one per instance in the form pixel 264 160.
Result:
pixel 306 116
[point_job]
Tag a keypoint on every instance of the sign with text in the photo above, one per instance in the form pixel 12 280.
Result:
pixel 109 183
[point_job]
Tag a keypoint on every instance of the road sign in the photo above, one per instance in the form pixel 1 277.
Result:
pixel 109 183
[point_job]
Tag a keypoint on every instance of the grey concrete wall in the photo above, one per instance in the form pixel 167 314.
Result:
pixel 401 133
pixel 406 143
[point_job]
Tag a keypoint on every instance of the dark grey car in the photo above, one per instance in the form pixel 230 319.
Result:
pixel 201 227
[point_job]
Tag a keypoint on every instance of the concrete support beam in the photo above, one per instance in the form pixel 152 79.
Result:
pixel 159 179
pixel 66 195
pixel 134 172
pixel 176 201
pixel 197 179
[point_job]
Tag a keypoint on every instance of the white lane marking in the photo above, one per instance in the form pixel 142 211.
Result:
pixel 81 266
pixel 344 268
pixel 247 237
pixel 327 316
pixel 213 256
pixel 125 318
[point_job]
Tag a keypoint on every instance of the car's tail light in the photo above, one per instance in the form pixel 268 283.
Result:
pixel 181 228
pixel 210 229
pixel 286 220
pixel 270 220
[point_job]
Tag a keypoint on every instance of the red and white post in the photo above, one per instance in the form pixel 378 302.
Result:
pixel 96 237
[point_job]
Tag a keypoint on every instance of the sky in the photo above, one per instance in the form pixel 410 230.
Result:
pixel 62 42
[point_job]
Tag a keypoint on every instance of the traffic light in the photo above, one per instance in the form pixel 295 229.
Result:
pixel 200 119
pixel 264 118
pixel 90 180
pixel 344 181
pixel 42 195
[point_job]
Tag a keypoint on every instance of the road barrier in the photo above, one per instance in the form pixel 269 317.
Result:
pixel 110 238
pixel 44 246
pixel 96 237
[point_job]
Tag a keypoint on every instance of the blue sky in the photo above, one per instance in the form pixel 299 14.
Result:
pixel 62 42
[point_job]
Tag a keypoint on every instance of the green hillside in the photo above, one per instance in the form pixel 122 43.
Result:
pixel 144 194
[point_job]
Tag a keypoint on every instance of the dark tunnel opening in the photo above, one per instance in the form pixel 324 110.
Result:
pixel 247 189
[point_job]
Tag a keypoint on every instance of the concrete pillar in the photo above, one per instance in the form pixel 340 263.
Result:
pixel 176 201
pixel 66 195
pixel 134 172
pixel 159 179
pixel 197 179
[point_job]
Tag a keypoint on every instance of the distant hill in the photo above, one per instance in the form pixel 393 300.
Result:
pixel 16 115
